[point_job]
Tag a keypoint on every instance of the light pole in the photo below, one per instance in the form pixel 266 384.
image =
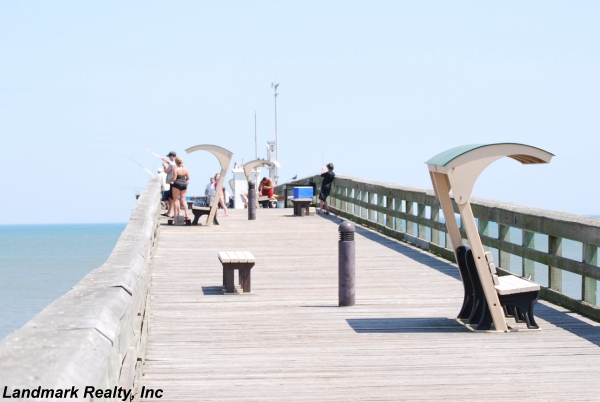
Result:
pixel 276 175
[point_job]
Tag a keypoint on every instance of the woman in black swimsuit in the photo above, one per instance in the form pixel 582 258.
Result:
pixel 179 187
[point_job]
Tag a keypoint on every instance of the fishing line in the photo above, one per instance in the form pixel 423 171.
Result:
pixel 143 147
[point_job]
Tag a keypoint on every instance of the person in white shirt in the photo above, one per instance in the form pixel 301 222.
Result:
pixel 210 189
pixel 169 168
pixel 163 184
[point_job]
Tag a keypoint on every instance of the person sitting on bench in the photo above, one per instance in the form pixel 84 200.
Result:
pixel 266 189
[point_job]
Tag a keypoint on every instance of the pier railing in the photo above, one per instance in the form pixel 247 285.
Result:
pixel 524 241
pixel 94 335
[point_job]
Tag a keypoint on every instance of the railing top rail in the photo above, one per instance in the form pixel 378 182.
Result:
pixel 554 223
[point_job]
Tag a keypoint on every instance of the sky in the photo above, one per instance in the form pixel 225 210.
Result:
pixel 375 87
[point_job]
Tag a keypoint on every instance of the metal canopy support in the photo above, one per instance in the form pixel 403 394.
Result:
pixel 224 157
pixel 457 169
pixel 250 166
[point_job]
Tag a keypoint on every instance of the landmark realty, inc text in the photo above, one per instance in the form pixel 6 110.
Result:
pixel 88 392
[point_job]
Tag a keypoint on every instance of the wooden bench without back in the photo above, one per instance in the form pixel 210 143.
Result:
pixel 243 261
pixel 517 296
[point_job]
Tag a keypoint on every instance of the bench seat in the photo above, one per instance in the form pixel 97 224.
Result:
pixel 236 256
pixel 511 284
pixel 243 261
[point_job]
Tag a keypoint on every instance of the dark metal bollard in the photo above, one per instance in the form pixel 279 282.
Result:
pixel 346 264
pixel 251 200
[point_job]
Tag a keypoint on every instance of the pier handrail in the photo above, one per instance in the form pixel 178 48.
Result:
pixel 413 215
pixel 94 335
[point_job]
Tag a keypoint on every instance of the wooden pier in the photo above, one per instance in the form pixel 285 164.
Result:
pixel 288 341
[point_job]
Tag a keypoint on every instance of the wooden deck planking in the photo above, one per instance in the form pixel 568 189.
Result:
pixel 289 340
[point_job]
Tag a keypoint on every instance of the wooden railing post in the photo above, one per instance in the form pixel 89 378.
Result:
pixel 372 196
pixel 503 256
pixel 421 229
pixel 555 274
pixel 381 203
pixel 389 206
pixel 335 202
pixel 398 206
pixel 528 265
pixel 344 205
pixel 435 234
pixel 589 285
pixel 484 229
pixel 410 227
pixel 365 210
pixel 357 196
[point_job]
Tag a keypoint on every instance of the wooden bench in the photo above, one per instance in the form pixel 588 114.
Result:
pixel 179 221
pixel 265 202
pixel 301 206
pixel 243 261
pixel 517 296
pixel 200 211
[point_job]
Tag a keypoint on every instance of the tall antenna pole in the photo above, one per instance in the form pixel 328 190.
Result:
pixel 255 137
pixel 274 85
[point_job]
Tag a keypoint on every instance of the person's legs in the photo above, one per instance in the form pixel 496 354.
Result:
pixel 175 201
pixel 222 203
pixel 322 201
pixel 184 201
pixel 325 195
pixel 170 201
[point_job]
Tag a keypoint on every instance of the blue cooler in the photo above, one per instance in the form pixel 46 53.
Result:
pixel 303 192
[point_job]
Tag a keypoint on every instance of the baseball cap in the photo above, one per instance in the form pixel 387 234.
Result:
pixel 172 153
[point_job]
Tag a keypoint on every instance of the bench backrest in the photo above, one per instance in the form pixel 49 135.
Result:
pixel 461 254
pixel 474 275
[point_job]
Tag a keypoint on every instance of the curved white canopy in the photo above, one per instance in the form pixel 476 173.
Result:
pixel 250 166
pixel 457 169
pixel 464 164
pixel 223 155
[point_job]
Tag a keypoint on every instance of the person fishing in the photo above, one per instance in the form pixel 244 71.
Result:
pixel 163 185
pixel 169 168
pixel 328 176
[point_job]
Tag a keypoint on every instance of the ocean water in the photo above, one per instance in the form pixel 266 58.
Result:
pixel 39 263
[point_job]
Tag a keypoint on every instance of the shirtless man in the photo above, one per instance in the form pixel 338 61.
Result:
pixel 265 188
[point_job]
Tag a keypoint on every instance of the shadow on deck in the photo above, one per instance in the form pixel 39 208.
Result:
pixel 589 331
pixel 406 325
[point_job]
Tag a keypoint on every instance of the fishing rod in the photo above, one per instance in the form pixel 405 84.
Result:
pixel 139 164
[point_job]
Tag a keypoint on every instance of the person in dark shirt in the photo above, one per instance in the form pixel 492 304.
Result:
pixel 328 176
